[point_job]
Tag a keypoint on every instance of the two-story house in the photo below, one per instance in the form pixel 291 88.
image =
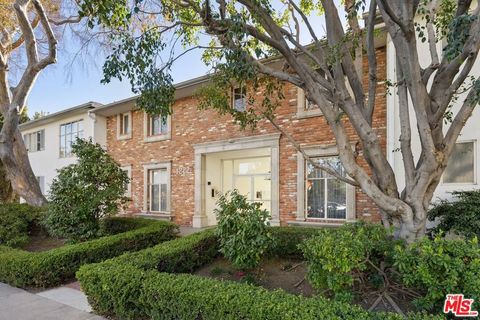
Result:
pixel 179 164
pixel 49 139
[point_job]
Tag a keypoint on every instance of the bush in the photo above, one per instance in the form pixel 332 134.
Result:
pixel 17 221
pixel 461 216
pixel 286 241
pixel 242 230
pixel 336 257
pixel 43 269
pixel 85 192
pixel 129 287
pixel 438 267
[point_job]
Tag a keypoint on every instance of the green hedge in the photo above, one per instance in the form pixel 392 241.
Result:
pixel 131 287
pixel 17 221
pixel 44 269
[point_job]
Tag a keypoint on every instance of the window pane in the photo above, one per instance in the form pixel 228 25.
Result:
pixel 239 99
pixel 337 199
pixel 163 197
pixel 155 199
pixel 460 167
pixel 164 125
pixel 316 198
pixel 252 166
pixel 126 129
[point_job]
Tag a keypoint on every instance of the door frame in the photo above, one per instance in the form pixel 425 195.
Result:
pixel 271 141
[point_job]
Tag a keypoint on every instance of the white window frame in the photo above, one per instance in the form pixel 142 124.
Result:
pixel 70 155
pixel 27 139
pixel 318 152
pixel 243 90
pixel 124 135
pixel 128 169
pixel 159 137
pixel 146 170
pixel 474 167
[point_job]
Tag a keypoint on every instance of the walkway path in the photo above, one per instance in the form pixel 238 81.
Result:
pixel 18 304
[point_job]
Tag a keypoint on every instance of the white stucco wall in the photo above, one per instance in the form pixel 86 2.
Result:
pixel 45 163
pixel 470 132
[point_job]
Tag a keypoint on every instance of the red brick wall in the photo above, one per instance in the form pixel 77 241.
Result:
pixel 191 126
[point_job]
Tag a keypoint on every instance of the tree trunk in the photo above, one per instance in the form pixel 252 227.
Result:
pixel 14 156
pixel 6 191
pixel 411 227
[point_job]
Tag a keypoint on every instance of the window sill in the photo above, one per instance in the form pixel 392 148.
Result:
pixel 124 137
pixel 162 137
pixel 317 224
pixel 309 114
pixel 160 215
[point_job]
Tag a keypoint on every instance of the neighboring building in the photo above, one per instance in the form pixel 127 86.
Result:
pixel 178 165
pixel 462 169
pixel 49 139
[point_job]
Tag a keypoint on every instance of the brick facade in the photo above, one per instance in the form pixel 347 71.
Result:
pixel 190 126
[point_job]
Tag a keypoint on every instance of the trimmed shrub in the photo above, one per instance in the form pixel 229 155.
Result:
pixel 84 192
pixel 17 221
pixel 286 241
pixel 336 257
pixel 461 216
pixel 129 287
pixel 242 230
pixel 43 269
pixel 438 267
pixel 179 255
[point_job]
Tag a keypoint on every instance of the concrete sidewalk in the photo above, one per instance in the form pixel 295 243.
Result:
pixel 18 304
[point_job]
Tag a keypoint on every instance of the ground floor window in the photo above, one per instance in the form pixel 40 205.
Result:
pixel 157 190
pixel 461 165
pixel 326 196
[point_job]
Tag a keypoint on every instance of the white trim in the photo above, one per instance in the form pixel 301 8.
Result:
pixel 161 137
pixel 271 141
pixel 128 168
pixel 127 135
pixel 319 151
pixel 152 166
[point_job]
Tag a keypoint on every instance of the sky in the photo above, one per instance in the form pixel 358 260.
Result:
pixel 72 82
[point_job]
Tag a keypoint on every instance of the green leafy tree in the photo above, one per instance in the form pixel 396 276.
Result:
pixel 258 43
pixel 242 230
pixel 84 192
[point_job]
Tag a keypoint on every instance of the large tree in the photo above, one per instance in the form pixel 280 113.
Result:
pixel 28 45
pixel 240 38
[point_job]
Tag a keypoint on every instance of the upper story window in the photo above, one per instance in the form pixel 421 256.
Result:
pixel 124 125
pixel 326 196
pixel 157 127
pixel 69 132
pixel 239 99
pixel 35 141
pixel 461 165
